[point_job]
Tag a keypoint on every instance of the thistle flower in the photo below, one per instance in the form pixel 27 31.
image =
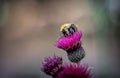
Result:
pixel 75 71
pixel 71 42
pixel 52 65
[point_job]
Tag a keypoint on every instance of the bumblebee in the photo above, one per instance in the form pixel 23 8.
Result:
pixel 68 29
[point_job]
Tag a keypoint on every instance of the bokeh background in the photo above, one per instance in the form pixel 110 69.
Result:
pixel 30 28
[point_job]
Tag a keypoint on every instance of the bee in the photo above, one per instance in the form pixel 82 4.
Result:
pixel 68 29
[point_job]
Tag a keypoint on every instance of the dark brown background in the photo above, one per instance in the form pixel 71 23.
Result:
pixel 30 28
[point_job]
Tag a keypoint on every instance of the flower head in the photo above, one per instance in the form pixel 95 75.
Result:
pixel 72 45
pixel 69 41
pixel 52 65
pixel 75 71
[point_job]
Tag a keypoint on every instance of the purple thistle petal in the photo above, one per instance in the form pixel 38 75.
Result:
pixel 69 41
pixel 75 71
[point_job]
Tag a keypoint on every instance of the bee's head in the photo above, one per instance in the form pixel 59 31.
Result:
pixel 68 29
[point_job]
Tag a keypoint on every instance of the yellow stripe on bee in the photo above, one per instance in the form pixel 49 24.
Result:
pixel 64 26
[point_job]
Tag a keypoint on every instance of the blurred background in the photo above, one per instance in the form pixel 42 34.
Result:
pixel 30 28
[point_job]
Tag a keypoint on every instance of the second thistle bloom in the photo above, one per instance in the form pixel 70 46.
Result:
pixel 52 65
pixel 75 71
pixel 71 42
